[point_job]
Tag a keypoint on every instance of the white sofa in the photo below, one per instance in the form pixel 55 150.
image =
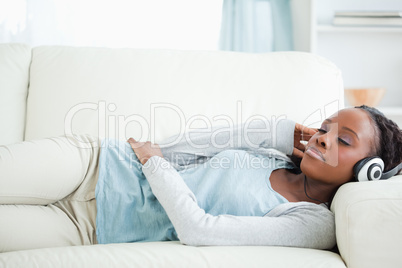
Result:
pixel 152 94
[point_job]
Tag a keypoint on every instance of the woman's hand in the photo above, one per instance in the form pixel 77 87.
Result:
pixel 302 133
pixel 144 150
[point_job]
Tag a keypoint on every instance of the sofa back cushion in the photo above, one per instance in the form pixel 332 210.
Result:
pixel 153 94
pixel 14 74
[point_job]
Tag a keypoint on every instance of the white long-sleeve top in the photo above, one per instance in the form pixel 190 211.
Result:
pixel 300 224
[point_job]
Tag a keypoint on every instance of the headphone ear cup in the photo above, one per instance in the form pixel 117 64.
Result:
pixel 357 167
pixel 368 169
pixel 374 172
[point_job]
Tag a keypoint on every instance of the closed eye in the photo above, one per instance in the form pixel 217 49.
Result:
pixel 343 142
pixel 339 139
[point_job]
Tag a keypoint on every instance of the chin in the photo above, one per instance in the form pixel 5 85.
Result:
pixel 313 168
pixel 323 172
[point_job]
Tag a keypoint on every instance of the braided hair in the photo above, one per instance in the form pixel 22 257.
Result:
pixel 388 144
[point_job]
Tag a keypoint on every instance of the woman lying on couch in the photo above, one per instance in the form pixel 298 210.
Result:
pixel 247 194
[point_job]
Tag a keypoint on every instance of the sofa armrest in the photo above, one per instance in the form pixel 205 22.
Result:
pixel 368 218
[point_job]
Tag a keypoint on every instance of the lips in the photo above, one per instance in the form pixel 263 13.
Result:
pixel 315 153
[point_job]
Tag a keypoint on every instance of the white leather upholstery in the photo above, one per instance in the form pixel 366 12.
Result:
pixel 369 223
pixel 68 85
pixel 14 78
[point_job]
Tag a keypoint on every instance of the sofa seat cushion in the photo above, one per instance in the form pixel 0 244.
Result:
pixel 171 254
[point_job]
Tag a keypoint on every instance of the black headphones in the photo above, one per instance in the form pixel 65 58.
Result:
pixel 371 169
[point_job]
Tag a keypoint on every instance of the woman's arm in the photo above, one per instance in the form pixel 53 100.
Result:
pixel 293 224
pixel 281 134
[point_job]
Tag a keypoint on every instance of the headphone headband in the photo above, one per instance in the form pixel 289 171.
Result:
pixel 392 172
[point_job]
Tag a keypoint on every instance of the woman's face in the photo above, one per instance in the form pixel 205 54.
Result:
pixel 342 140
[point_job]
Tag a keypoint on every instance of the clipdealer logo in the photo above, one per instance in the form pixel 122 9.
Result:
pixel 112 125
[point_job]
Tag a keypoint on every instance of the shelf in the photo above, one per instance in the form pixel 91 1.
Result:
pixel 362 29
pixel 368 56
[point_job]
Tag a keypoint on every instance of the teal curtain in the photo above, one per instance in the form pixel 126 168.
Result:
pixel 256 26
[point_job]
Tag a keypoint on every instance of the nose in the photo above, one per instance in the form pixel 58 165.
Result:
pixel 323 141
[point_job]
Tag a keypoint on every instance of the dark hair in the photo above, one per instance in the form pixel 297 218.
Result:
pixel 388 144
